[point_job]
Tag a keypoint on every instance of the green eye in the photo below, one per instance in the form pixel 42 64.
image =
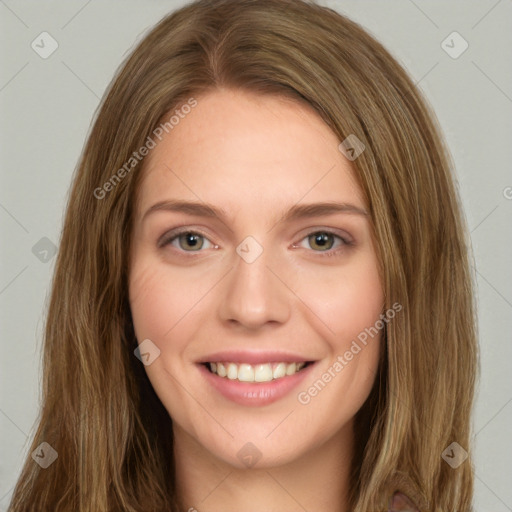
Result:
pixel 326 243
pixel 321 240
pixel 190 240
pixel 186 241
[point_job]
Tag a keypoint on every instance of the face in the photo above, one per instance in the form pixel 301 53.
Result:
pixel 253 277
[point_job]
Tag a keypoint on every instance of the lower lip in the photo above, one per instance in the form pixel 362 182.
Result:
pixel 255 394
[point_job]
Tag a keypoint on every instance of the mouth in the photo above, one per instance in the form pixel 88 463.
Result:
pixel 256 373
pixel 255 383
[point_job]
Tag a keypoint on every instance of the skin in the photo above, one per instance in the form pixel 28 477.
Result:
pixel 255 157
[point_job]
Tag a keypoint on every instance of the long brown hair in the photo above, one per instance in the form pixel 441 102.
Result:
pixel 99 412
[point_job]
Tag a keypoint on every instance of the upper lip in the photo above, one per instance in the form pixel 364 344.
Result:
pixel 259 357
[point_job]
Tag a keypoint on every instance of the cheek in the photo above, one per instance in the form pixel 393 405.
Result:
pixel 168 308
pixel 348 300
pixel 158 299
pixel 351 305
pixel 152 305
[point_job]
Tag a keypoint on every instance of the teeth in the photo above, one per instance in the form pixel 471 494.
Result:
pixel 232 371
pixel 263 373
pixel 219 369
pixel 257 373
pixel 280 370
pixel 291 369
pixel 245 373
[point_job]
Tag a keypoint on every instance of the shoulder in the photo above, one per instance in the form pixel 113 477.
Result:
pixel 401 503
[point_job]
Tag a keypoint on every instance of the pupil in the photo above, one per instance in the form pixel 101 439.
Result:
pixel 192 240
pixel 322 240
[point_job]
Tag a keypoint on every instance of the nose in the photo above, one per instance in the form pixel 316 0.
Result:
pixel 254 294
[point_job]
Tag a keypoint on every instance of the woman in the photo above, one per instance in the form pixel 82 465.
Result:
pixel 262 282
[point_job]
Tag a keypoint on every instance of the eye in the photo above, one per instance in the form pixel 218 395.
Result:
pixel 186 240
pixel 324 242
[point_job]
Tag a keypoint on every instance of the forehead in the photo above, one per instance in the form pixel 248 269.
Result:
pixel 251 152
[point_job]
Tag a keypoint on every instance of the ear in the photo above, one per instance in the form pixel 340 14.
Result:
pixel 401 503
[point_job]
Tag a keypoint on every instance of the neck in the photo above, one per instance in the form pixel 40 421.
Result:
pixel 317 479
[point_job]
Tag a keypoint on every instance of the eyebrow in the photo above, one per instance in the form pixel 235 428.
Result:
pixel 296 212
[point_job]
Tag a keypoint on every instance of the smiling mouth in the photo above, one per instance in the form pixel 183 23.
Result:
pixel 266 372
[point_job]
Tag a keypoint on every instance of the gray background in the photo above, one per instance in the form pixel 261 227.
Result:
pixel 47 106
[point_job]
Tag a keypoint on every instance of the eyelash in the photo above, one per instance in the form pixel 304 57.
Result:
pixel 174 235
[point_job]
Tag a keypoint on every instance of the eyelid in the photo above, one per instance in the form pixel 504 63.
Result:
pixel 346 242
pixel 169 236
pixel 340 233
pixel 345 238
